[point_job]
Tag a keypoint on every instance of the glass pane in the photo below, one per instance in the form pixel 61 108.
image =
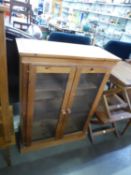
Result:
pixel 49 94
pixel 0 112
pixel 85 96
pixel 1 130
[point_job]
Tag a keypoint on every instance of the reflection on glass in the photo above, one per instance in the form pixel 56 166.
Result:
pixel 86 92
pixel 49 94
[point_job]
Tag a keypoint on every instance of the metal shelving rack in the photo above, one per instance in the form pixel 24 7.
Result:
pixel 118 22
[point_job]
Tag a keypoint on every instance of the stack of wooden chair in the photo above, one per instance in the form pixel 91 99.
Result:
pixel 21 8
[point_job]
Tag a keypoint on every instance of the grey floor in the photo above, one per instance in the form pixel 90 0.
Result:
pixel 107 156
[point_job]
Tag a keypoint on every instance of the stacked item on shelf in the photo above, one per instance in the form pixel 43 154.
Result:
pixel 112 19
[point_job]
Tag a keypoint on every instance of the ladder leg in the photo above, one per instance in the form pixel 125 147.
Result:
pixel 91 133
pixel 125 128
pixel 116 131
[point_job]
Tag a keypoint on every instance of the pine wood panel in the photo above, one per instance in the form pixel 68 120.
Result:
pixel 4 101
pixel 60 50
pixel 59 58
pixel 33 71
pixel 24 78
pixel 30 104
pixel 121 74
pixel 51 142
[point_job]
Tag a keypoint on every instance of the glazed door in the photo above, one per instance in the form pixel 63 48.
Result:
pixel 48 92
pixel 1 129
pixel 86 91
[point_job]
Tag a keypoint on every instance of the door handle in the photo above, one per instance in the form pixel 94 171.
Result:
pixel 63 112
pixel 69 111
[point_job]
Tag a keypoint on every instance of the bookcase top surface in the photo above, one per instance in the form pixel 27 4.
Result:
pixel 51 49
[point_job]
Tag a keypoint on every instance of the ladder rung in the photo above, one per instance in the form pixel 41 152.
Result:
pixel 118 106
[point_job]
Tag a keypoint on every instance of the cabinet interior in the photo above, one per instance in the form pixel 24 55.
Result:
pixel 49 93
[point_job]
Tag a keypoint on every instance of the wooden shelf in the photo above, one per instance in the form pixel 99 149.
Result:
pixel 79 106
pixel 83 92
pixel 47 115
pixel 50 84
pixel 86 86
pixel 46 106
pixel 57 88
pixel 116 116
pixel 75 122
pixel 55 96
pixel 48 95
pixel 45 129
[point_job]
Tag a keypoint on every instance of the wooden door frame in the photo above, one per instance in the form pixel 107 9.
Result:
pixel 60 137
pixel 33 71
pixel 24 76
pixel 96 101
pixel 91 70
pixel 5 110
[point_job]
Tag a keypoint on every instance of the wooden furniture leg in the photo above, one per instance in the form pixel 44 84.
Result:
pixel 102 131
pixel 125 128
pixel 91 133
pixel 111 109
pixel 116 131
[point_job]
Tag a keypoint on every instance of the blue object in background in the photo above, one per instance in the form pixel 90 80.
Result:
pixel 69 38
pixel 81 17
pixel 1 1
pixel 119 48
pixel 40 8
pixel 86 28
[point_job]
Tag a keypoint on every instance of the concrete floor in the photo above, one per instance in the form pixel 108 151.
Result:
pixel 107 156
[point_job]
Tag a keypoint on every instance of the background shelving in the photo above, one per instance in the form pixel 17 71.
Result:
pixel 112 20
